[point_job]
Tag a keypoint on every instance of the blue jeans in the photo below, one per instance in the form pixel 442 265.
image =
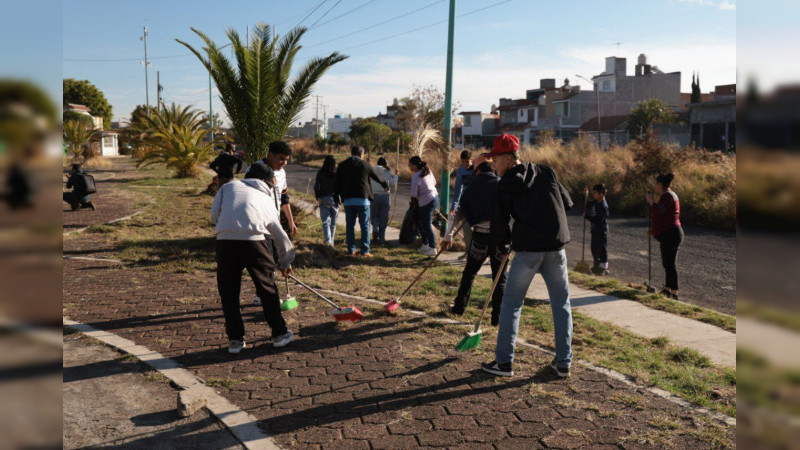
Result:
pixel 380 216
pixel 362 214
pixel 328 212
pixel 424 218
pixel 553 267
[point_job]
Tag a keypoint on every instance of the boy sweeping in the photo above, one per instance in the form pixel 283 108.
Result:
pixel 597 214
pixel 247 227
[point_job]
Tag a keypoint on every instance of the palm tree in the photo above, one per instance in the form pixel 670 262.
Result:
pixel 181 147
pixel 254 86
pixel 77 134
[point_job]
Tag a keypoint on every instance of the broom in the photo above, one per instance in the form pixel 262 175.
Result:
pixel 648 284
pixel 350 313
pixel 583 266
pixel 392 305
pixel 289 303
pixel 473 338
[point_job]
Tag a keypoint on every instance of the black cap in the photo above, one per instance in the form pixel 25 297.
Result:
pixel 260 171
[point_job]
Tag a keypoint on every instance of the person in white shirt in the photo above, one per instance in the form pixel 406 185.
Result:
pixel 424 199
pixel 381 202
pixel 247 228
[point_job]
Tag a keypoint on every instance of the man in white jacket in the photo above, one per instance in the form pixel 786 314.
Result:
pixel 247 223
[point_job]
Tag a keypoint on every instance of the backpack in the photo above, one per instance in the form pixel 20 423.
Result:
pixel 408 230
pixel 85 184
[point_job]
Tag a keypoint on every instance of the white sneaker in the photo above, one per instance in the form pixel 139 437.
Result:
pixel 256 301
pixel 428 251
pixel 236 347
pixel 283 340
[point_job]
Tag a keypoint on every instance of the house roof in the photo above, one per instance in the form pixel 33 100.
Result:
pixel 464 113
pixel 77 107
pixel 515 127
pixel 606 123
pixel 516 104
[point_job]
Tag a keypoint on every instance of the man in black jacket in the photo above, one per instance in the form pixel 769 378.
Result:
pixel 225 163
pixel 531 195
pixel 353 187
pixel 475 207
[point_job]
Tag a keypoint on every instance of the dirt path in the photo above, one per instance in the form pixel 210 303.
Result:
pixel 112 401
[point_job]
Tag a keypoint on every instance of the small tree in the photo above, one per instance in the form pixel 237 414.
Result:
pixel 77 135
pixel 321 142
pixel 647 113
pixel 697 96
pixel 85 93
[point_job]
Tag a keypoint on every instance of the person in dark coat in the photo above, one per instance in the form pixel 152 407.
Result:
pixel 328 200
pixel 597 214
pixel 226 165
pixel 353 187
pixel 666 216
pixel 78 198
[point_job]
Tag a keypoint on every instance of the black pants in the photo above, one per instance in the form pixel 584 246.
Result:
pixel 670 240
pixel 74 200
pixel 599 247
pixel 256 257
pixel 480 249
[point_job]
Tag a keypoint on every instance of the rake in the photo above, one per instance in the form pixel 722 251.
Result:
pixel 583 266
pixel 648 284
pixel 351 313
pixel 392 305
pixel 289 303
pixel 473 338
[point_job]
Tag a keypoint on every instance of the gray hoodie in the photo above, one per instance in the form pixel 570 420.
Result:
pixel 246 210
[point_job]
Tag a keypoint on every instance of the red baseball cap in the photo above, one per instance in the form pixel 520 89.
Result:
pixel 505 143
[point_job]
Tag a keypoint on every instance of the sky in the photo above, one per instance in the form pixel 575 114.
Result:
pixel 502 47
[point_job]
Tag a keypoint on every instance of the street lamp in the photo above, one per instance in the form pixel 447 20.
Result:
pixel 597 94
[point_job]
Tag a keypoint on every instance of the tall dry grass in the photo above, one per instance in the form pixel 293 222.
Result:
pixel 704 181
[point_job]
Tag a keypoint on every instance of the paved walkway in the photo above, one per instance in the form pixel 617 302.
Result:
pixel 383 382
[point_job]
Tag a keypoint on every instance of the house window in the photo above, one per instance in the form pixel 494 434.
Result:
pixel 108 142
pixel 521 112
pixel 467 121
pixel 562 109
pixel 606 85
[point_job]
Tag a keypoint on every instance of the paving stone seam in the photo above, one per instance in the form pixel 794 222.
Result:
pixel 242 425
pixel 727 420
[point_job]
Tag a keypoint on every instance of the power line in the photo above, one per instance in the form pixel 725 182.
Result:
pixel 424 26
pixel 344 13
pixel 376 25
pixel 326 13
pixel 310 13
pixel 128 59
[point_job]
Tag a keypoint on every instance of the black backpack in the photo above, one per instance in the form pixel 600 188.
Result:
pixel 85 184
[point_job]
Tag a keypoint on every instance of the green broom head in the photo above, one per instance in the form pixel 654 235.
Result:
pixel 289 304
pixel 470 341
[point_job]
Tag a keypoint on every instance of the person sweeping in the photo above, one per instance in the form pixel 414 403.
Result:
pixel 247 227
pixel 666 228
pixel 475 207
pixel 533 196
pixel 597 214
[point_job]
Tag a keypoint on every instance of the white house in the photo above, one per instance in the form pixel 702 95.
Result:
pixel 109 143
pixel 340 125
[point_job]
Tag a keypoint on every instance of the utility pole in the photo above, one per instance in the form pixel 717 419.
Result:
pixel 316 114
pixel 444 203
pixel 325 119
pixel 597 97
pixel 146 86
pixel 158 88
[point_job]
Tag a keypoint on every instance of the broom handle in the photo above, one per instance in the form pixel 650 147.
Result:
pixel 448 222
pixel 491 292
pixel 649 244
pixel 427 266
pixel 314 291
pixel 583 245
pixel 287 287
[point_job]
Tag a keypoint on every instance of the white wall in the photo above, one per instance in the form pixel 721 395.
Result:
pixel 475 127
pixel 340 125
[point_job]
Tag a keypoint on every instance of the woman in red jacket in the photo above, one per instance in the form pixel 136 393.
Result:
pixel 667 230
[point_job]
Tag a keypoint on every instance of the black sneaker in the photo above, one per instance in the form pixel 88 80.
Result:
pixel 562 372
pixel 495 318
pixel 503 370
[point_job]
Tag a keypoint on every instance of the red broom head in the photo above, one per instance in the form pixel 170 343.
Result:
pixel 392 305
pixel 350 313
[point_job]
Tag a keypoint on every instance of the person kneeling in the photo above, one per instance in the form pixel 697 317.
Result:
pixel 247 224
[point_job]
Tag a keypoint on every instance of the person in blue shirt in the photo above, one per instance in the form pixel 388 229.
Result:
pixel 464 175
pixel 597 214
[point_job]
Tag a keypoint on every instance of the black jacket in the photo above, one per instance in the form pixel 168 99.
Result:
pixel 224 165
pixel 597 214
pixel 325 185
pixel 352 179
pixel 534 198
pixel 477 198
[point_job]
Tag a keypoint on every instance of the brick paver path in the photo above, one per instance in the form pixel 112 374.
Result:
pixel 384 382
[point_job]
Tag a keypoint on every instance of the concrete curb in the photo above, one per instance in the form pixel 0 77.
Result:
pixel 242 425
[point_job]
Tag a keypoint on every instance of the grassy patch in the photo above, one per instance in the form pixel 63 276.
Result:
pixel 637 293
pixel 154 375
pixel 100 229
pixel 780 317
pixel 227 383
pixel 761 384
